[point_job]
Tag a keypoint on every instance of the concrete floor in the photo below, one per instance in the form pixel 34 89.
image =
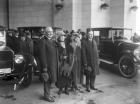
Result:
pixel 116 90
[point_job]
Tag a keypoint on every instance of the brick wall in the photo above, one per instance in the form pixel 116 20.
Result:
pixel 30 13
pixel 3 12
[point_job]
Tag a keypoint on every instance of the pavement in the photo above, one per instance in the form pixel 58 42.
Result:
pixel 114 89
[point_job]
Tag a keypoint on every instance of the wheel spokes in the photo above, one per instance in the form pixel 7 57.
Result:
pixel 127 66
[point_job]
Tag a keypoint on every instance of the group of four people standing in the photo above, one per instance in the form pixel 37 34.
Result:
pixel 60 58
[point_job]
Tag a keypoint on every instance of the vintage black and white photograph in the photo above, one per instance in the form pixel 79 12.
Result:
pixel 69 52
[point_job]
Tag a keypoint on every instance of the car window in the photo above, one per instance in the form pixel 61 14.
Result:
pixel 121 34
pixel 96 33
pixel 104 35
pixel 128 34
pixel 2 38
pixel 110 34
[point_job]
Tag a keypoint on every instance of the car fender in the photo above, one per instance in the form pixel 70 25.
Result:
pixel 23 67
pixel 123 49
pixel 126 52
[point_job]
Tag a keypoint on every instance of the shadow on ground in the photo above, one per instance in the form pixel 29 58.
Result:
pixel 110 68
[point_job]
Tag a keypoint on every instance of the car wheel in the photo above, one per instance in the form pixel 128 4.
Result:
pixel 28 77
pixel 126 66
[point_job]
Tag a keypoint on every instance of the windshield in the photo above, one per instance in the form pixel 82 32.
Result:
pixel 2 38
pixel 121 34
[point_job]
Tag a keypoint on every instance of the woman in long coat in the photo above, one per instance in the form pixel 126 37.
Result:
pixel 73 49
pixel 63 80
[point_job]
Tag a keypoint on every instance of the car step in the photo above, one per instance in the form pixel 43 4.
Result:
pixel 106 61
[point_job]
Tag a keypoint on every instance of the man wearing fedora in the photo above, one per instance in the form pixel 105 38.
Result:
pixel 90 60
pixel 48 58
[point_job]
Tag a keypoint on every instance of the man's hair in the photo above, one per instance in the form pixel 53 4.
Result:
pixel 49 29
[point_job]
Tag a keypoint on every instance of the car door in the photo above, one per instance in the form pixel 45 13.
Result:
pixel 107 45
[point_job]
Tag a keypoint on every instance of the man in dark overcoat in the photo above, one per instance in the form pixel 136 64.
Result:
pixel 48 58
pixel 25 46
pixel 90 60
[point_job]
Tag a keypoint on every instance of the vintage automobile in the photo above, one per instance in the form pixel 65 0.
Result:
pixel 14 66
pixel 116 47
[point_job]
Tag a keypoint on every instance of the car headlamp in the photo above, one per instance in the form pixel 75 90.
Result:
pixel 19 59
pixel 137 54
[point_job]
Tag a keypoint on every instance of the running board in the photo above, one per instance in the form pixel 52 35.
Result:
pixel 106 61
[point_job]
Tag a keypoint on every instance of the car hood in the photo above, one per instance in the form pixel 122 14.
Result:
pixel 127 41
pixel 127 44
pixel 5 48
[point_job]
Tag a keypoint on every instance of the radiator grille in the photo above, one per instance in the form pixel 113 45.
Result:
pixel 6 59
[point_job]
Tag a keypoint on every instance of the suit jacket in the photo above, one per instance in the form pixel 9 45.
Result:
pixel 48 57
pixel 24 47
pixel 90 55
pixel 30 43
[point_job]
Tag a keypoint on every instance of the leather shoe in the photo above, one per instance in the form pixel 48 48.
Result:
pixel 60 92
pixel 67 92
pixel 49 99
pixel 88 89
pixel 76 88
pixel 93 88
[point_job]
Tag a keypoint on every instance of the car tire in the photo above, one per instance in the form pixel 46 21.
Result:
pixel 126 66
pixel 28 77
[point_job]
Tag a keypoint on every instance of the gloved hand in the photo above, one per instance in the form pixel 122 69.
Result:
pixel 66 69
pixel 89 69
pixel 67 72
pixel 85 67
pixel 65 57
pixel 45 76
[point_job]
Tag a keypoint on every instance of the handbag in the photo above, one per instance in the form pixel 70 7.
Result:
pixel 67 68
pixel 87 70
pixel 65 75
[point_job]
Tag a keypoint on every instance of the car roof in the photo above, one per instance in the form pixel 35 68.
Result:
pixel 31 27
pixel 2 28
pixel 110 28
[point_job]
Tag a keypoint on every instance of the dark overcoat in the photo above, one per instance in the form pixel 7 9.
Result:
pixel 61 60
pixel 90 55
pixel 24 47
pixel 72 49
pixel 78 62
pixel 30 43
pixel 48 57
